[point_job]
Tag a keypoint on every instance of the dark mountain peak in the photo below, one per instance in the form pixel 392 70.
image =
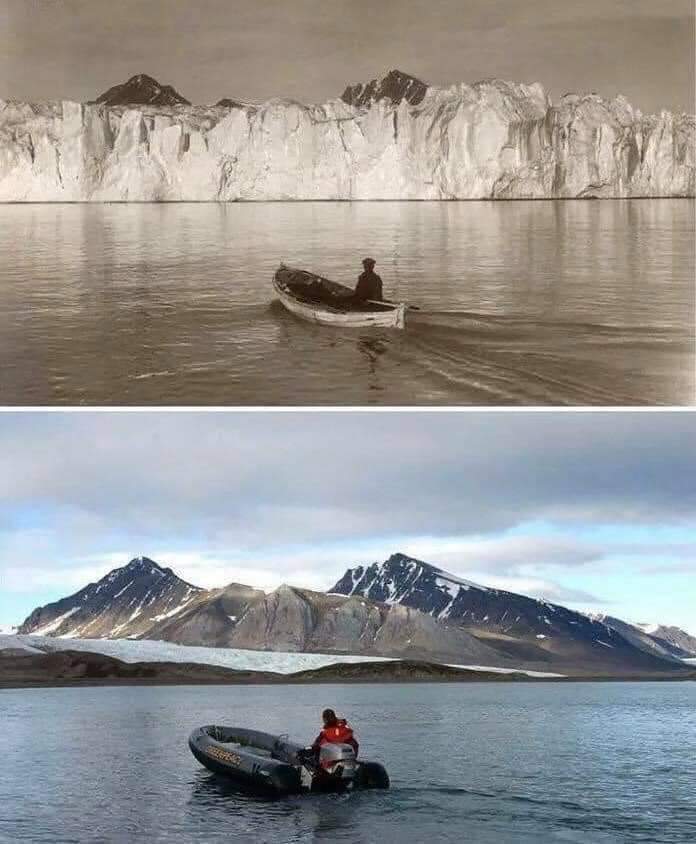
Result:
pixel 405 580
pixel 400 578
pixel 399 558
pixel 126 601
pixel 142 79
pixel 399 555
pixel 138 568
pixel 226 102
pixel 142 90
pixel 145 565
pixel 395 87
pixel 399 77
pixel 400 564
pixel 139 562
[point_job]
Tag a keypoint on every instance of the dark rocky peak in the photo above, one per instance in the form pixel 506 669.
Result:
pixel 125 601
pixel 401 576
pixel 142 90
pixel 226 102
pixel 395 86
pixel 144 565
pixel 140 562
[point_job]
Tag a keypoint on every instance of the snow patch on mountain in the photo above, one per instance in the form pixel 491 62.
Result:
pixel 120 591
pixel 508 671
pixel 56 623
pixel 175 611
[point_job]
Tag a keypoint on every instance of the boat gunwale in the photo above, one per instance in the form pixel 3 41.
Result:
pixel 379 309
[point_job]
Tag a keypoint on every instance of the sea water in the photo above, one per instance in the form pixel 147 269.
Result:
pixel 480 762
pixel 540 302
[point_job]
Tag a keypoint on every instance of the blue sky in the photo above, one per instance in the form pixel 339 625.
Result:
pixel 592 510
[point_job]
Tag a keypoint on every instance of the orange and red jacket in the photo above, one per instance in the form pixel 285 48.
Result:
pixel 339 733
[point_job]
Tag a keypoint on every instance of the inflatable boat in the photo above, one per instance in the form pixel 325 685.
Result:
pixel 274 764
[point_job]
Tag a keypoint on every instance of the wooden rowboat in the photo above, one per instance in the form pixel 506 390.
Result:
pixel 318 299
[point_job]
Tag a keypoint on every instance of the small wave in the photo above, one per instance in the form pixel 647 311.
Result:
pixel 161 374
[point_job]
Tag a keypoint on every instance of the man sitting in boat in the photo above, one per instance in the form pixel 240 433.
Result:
pixel 335 731
pixel 369 286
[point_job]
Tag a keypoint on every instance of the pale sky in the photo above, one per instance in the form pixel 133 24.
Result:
pixel 595 510
pixel 311 49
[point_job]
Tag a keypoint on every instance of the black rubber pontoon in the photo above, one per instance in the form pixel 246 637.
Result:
pixel 273 763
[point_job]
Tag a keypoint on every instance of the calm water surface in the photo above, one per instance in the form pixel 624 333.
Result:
pixel 481 763
pixel 529 303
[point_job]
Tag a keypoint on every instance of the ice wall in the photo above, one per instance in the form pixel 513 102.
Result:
pixel 496 140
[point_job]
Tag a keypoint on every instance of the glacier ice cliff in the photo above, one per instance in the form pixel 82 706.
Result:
pixel 492 139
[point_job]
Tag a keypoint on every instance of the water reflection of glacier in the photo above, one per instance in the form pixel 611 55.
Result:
pixel 566 303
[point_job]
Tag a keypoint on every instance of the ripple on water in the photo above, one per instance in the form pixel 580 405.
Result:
pixel 529 303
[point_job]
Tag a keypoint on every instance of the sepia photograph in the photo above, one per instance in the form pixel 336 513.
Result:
pixel 321 203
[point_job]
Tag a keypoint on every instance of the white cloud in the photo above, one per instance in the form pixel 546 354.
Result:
pixel 516 553
pixel 296 497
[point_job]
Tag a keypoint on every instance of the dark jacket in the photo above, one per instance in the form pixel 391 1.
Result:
pixel 369 287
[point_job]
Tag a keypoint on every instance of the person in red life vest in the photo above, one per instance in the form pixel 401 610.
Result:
pixel 335 731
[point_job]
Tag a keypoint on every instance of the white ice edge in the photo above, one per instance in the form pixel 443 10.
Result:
pixel 281 662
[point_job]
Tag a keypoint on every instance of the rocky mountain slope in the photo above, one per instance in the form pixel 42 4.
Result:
pixel 679 642
pixel 639 637
pixel 523 628
pixel 144 600
pixel 129 601
pixel 402 608
pixel 395 87
pixel 300 620
pixel 142 90
pixel 210 619
pixel 392 138
pixel 661 638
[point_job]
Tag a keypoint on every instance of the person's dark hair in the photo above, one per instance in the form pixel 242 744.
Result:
pixel 329 717
pixel 369 262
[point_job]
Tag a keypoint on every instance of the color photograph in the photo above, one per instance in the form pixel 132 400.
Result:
pixel 495 610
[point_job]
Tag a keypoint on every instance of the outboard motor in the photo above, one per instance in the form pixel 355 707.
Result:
pixel 338 760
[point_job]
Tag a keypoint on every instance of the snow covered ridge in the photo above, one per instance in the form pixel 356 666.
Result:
pixel 399 577
pixel 493 613
pixel 129 600
pixel 238 658
pixel 492 139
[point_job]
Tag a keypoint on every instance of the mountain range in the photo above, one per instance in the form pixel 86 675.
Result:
pixel 393 137
pixel 400 608
pixel 514 624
